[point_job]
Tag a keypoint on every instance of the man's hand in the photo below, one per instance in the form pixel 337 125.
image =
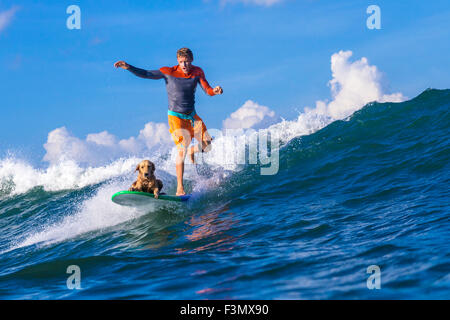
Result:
pixel 218 90
pixel 121 64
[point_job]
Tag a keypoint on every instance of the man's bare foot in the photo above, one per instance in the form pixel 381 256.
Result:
pixel 180 192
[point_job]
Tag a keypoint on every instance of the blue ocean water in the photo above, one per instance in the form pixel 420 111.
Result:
pixel 369 190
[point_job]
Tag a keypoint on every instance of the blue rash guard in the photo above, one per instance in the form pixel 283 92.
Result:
pixel 180 86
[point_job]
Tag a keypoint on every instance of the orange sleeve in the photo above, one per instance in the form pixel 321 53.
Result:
pixel 205 85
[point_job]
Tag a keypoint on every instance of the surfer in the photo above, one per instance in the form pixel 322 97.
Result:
pixel 184 123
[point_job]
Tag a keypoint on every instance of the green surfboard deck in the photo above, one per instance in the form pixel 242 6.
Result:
pixel 137 198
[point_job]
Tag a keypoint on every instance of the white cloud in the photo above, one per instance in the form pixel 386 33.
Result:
pixel 354 84
pixel 103 138
pixel 131 145
pixel 250 115
pixel 103 147
pixel 154 134
pixel 6 17
pixel 61 145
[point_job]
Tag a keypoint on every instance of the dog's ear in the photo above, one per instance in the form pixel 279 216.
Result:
pixel 137 168
pixel 153 167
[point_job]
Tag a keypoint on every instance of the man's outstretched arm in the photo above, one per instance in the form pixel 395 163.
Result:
pixel 147 74
pixel 207 88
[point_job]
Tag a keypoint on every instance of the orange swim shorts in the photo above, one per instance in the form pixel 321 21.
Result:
pixel 182 130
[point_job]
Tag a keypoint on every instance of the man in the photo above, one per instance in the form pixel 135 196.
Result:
pixel 184 124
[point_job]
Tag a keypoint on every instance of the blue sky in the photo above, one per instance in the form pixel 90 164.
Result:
pixel 277 55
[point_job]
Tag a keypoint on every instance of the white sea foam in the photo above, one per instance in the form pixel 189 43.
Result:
pixel 61 176
pixel 96 213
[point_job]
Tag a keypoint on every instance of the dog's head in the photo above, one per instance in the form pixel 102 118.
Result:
pixel 146 169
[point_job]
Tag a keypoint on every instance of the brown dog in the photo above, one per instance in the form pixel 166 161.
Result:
pixel 146 180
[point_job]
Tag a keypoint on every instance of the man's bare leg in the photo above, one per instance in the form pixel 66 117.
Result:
pixel 180 163
pixel 194 149
pixel 180 171
pixel 191 153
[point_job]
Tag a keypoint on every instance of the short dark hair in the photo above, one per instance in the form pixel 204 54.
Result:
pixel 185 52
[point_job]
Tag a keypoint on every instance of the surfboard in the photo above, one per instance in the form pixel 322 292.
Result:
pixel 137 198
